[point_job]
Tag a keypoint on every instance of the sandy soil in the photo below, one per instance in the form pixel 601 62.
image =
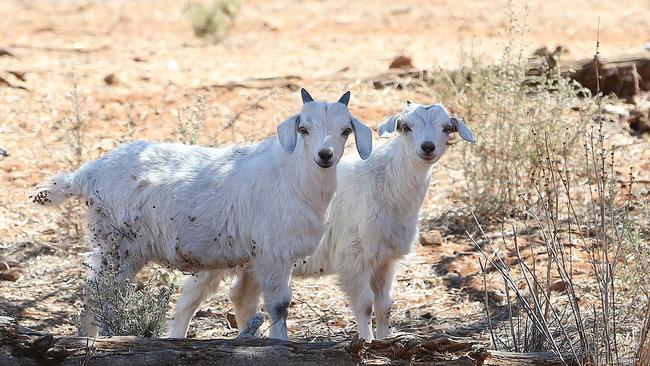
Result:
pixel 161 66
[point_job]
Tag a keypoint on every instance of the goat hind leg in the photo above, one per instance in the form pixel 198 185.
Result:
pixel 244 295
pixel 195 290
pixel 356 286
pixel 382 284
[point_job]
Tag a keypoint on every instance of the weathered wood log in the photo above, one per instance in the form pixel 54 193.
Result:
pixel 23 346
pixel 621 75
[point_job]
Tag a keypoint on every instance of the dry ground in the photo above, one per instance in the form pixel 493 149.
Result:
pixel 160 66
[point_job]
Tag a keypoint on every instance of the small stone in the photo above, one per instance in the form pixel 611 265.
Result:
pixel 401 62
pixel 111 79
pixel 11 274
pixel 433 237
pixel 205 314
pixel 558 286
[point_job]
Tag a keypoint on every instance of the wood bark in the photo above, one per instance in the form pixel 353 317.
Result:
pixel 23 346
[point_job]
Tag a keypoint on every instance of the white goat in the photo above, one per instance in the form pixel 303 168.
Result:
pixel 373 217
pixel 259 207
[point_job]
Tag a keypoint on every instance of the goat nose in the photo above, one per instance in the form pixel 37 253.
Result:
pixel 428 147
pixel 326 154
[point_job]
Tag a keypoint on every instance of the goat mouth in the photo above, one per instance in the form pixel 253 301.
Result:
pixel 323 165
pixel 428 158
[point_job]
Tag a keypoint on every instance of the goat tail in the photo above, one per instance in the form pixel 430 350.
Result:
pixel 55 190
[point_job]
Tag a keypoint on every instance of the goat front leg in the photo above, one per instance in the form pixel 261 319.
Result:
pixel 382 285
pixel 273 276
pixel 245 294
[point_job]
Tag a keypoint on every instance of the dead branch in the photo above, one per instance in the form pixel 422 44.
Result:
pixel 23 346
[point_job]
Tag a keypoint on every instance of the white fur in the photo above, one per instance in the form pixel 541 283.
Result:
pixel 373 218
pixel 258 207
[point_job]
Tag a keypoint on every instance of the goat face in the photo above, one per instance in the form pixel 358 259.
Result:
pixel 427 129
pixel 321 129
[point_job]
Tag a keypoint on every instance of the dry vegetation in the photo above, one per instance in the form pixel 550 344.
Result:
pixel 545 221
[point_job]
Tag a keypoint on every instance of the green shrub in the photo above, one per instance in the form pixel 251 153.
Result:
pixel 213 20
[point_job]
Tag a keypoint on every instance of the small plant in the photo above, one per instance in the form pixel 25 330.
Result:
pixel 191 119
pixel 594 321
pixel 121 307
pixel 506 107
pixel 75 128
pixel 214 19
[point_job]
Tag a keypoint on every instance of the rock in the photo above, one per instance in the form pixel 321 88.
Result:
pixel 639 118
pixel 401 62
pixel 558 286
pixel 111 79
pixel 139 59
pixel 639 122
pixel 205 314
pixel 172 65
pixel 3 153
pixel 433 237
pixel 11 274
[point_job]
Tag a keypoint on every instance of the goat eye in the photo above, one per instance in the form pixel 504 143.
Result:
pixel 303 131
pixel 406 128
pixel 347 131
pixel 448 129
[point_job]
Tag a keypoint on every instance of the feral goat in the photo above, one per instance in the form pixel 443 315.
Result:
pixel 257 207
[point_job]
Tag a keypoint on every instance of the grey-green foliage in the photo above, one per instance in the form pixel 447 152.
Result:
pixel 122 308
pixel 191 120
pixel 213 19
pixel 505 109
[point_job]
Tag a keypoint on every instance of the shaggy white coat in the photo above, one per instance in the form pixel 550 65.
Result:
pixel 200 209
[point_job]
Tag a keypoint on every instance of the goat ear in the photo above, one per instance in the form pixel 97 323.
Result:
pixel 306 98
pixel 459 126
pixel 345 98
pixel 389 125
pixel 363 138
pixel 288 133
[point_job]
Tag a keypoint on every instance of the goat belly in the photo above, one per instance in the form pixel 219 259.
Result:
pixel 211 256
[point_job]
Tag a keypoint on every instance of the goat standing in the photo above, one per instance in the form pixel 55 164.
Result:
pixel 197 209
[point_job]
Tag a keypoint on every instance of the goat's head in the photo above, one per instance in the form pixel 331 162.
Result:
pixel 426 129
pixel 321 129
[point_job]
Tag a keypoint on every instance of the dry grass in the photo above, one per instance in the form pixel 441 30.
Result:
pixel 508 108
pixel 576 205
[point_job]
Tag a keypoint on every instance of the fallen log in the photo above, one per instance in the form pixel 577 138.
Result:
pixel 623 76
pixel 23 346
